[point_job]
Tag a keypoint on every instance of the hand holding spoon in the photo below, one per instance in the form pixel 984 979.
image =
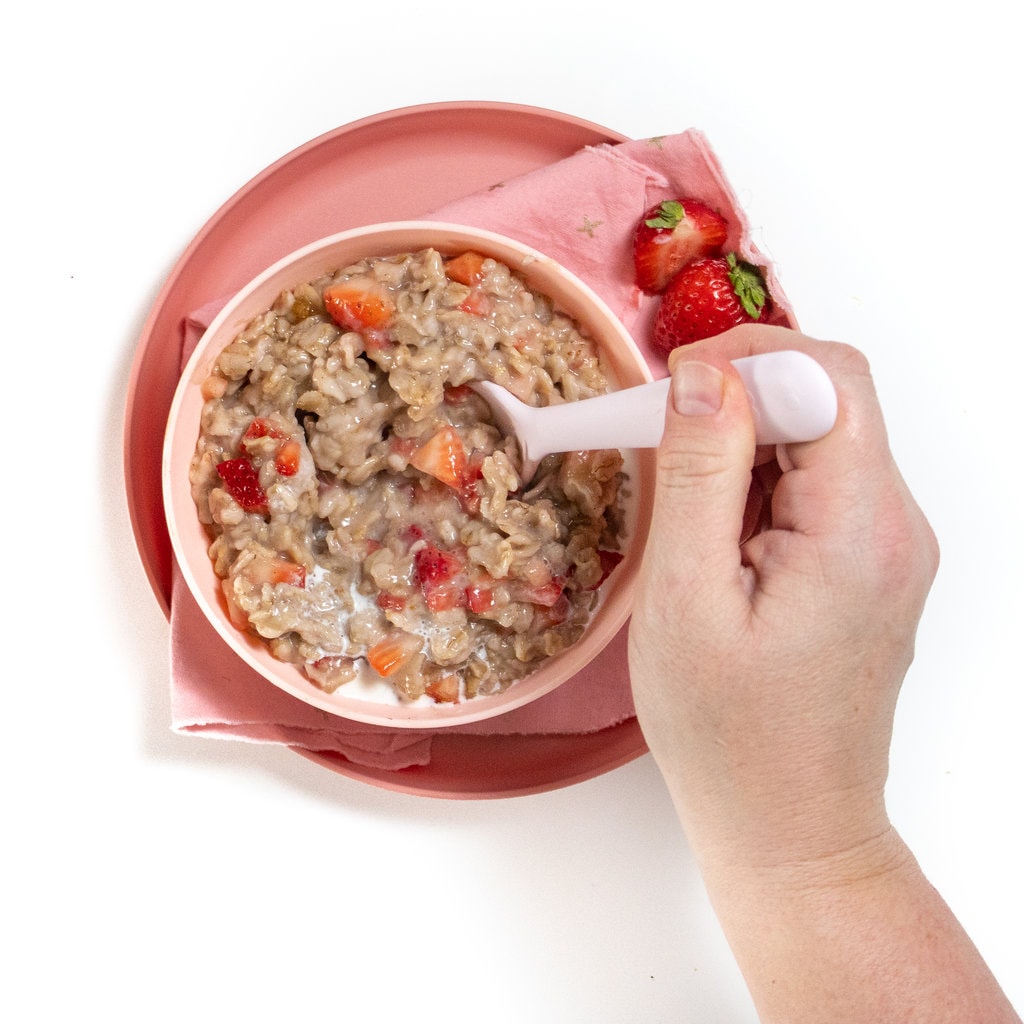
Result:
pixel 791 395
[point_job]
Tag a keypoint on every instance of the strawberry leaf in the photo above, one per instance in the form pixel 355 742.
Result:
pixel 670 214
pixel 748 285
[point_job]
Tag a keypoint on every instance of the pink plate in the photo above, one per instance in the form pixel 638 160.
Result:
pixel 398 164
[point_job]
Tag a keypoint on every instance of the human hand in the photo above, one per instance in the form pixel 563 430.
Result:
pixel 765 672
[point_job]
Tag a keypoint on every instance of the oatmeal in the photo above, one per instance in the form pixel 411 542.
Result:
pixel 365 513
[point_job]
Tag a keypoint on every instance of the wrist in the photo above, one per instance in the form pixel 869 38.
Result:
pixel 804 835
pixel 807 871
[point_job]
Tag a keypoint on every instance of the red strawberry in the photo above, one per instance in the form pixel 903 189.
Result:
pixel 708 297
pixel 359 304
pixel 671 235
pixel 546 594
pixel 243 484
pixel 467 268
pixel 391 652
pixel 390 602
pixel 479 598
pixel 444 688
pixel 477 303
pixel 457 394
pixel 288 457
pixel 469 493
pixel 276 569
pixel 442 457
pixel 547 617
pixel 261 427
pixel 439 575
pixel 435 566
pixel 609 560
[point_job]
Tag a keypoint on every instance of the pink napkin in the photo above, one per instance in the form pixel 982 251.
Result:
pixel 581 211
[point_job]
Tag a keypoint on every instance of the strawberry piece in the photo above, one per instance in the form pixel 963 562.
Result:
pixel 546 595
pixel 276 570
pixel 404 447
pixel 669 236
pixel 412 533
pixel 444 689
pixel 457 394
pixel 546 617
pixel 477 303
pixel 708 297
pixel 433 565
pixel 391 652
pixel 288 572
pixel 439 576
pixel 442 457
pixel 389 602
pixel 213 387
pixel 286 462
pixel 359 304
pixel 444 597
pixel 243 484
pixel 479 598
pixel 609 560
pixel 466 268
pixel 262 427
pixel 469 493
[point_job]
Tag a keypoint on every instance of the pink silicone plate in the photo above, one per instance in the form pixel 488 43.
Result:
pixel 394 165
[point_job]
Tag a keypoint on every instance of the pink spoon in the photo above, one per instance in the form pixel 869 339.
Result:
pixel 791 395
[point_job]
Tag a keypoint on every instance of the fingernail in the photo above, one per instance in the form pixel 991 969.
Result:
pixel 697 389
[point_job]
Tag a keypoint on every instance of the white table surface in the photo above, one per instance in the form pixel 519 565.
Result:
pixel 151 876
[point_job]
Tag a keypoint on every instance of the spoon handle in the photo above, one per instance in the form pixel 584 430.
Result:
pixel 791 396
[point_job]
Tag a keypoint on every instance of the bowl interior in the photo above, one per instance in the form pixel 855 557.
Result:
pixel 621 358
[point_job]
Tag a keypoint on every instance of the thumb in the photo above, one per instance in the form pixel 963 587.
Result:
pixel 704 465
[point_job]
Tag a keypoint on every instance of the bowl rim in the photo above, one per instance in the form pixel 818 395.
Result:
pixel 529 262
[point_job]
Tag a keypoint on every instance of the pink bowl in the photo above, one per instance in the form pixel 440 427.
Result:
pixel 621 358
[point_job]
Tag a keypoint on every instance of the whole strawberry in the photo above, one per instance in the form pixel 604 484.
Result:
pixel 708 297
pixel 669 236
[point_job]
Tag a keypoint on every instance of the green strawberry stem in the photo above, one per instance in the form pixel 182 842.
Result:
pixel 670 214
pixel 748 285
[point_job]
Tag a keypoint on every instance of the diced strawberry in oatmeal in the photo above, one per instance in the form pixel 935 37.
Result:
pixel 444 688
pixel 359 304
pixel 275 570
pixel 435 566
pixel 389 654
pixel 286 462
pixel 546 617
pixel 443 597
pixel 469 492
pixel 440 576
pixel 443 457
pixel 609 560
pixel 467 268
pixel 388 601
pixel 403 447
pixel 477 302
pixel 479 598
pixel 242 482
pixel 457 394
pixel 412 533
pixel 546 595
pixel 263 427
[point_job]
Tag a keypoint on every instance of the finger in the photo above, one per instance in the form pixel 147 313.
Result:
pixel 823 478
pixel 703 480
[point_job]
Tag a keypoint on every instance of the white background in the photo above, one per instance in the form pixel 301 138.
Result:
pixel 150 876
